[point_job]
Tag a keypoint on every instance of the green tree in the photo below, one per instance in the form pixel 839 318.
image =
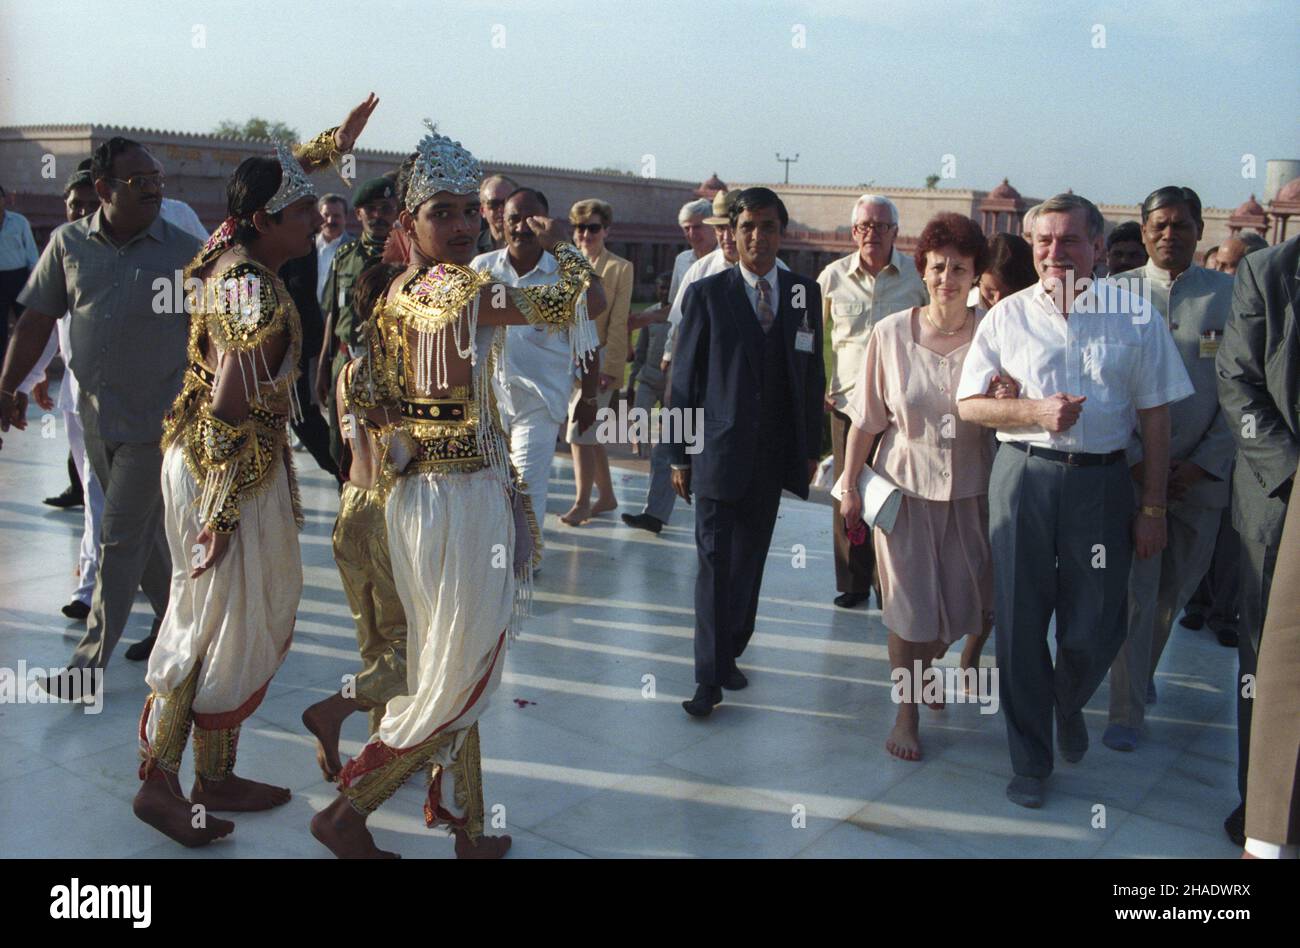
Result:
pixel 258 128
pixel 931 180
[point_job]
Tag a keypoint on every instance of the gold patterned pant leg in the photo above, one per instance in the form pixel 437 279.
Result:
pixel 173 716
pixel 379 771
pixel 459 805
pixel 214 752
pixel 361 553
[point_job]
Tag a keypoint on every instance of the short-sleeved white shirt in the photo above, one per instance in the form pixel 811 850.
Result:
pixel 1114 349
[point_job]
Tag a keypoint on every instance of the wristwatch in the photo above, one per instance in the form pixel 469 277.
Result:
pixel 1148 510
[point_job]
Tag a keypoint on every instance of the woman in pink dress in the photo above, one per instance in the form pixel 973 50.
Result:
pixel 935 566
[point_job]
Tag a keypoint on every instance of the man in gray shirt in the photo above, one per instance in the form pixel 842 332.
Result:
pixel 117 276
pixel 1195 303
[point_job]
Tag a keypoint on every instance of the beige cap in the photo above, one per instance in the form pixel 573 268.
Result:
pixel 722 202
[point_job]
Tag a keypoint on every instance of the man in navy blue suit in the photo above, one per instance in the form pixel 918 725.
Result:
pixel 749 355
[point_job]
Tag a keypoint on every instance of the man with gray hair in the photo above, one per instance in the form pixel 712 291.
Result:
pixel 698 234
pixel 492 194
pixel 857 292
pixel 1092 367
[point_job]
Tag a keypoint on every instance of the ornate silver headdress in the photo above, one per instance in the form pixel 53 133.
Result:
pixel 441 165
pixel 294 183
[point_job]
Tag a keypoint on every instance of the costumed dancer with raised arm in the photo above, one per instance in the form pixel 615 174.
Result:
pixel 462 535
pixel 231 503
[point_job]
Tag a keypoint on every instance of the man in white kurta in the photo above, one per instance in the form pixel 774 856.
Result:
pixel 536 374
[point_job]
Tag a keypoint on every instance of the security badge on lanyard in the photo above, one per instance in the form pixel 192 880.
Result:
pixel 803 338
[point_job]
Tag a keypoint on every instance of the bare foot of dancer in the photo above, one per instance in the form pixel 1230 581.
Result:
pixel 343 830
pixel 238 795
pixel 160 804
pixel 904 741
pixel 485 847
pixel 324 719
pixel 577 514
pixel 604 506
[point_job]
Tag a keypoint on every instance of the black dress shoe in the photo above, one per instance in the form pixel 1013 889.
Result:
pixel 139 651
pixel 851 600
pixel 735 680
pixel 707 697
pixel 1227 637
pixel 1235 825
pixel 1192 620
pixel 643 521
pixel 76 610
pixel 69 498
pixel 69 684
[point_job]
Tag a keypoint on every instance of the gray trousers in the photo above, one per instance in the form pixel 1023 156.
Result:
pixel 1257 563
pixel 1218 597
pixel 661 499
pixel 1159 588
pixel 133 550
pixel 1061 539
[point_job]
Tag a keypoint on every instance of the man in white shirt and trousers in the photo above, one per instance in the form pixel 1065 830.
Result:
pixel 1093 363
pixel 535 377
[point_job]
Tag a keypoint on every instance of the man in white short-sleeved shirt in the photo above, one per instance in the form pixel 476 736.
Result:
pixel 536 374
pixel 1094 363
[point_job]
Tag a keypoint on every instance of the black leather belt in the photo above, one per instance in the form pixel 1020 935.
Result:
pixel 435 411
pixel 1072 458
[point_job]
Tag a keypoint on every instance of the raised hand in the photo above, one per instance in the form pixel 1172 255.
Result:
pixel 347 134
pixel 549 230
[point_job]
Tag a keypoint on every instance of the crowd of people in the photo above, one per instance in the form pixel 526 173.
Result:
pixel 1081 426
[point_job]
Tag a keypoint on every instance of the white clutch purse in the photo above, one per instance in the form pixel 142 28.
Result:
pixel 880 498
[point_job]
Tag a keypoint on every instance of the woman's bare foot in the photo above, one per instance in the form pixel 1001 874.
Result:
pixel 238 795
pixel 604 506
pixel 904 741
pixel 577 514
pixel 324 720
pixel 485 847
pixel 343 830
pixel 162 807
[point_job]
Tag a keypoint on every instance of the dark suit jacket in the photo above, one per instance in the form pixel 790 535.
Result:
pixel 299 276
pixel 1259 387
pixel 717 361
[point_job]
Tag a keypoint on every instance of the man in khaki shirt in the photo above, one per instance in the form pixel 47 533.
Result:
pixel 857 292
pixel 116 274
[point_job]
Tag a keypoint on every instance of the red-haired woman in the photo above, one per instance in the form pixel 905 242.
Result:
pixel 935 566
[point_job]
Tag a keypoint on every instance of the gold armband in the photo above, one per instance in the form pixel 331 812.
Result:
pixel 222 450
pixel 555 306
pixel 222 441
pixel 320 151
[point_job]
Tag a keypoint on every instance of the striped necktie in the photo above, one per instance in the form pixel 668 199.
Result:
pixel 764 307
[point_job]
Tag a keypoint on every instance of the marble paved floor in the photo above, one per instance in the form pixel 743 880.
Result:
pixel 587 751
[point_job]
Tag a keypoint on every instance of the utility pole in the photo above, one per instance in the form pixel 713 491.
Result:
pixel 788 162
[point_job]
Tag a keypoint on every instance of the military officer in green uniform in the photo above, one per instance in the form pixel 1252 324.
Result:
pixel 376 209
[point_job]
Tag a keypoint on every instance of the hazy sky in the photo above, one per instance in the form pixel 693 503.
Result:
pixel 1111 99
